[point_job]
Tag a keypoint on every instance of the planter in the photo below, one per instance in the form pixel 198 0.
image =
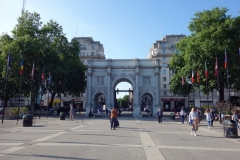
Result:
pixel 62 116
pixel 27 120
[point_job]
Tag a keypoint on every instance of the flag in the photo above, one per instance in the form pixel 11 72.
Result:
pixel 21 67
pixel 9 61
pixel 206 70
pixel 60 83
pixel 182 81
pixel 188 80
pixel 216 67
pixel 43 75
pixel 32 74
pixel 192 77
pixel 49 78
pixel 198 76
pixel 225 60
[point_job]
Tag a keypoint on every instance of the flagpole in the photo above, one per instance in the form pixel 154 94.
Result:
pixel 187 93
pixel 207 90
pixel 20 85
pixel 229 92
pixel 199 95
pixel 48 102
pixel 41 102
pixel 216 74
pixel 6 82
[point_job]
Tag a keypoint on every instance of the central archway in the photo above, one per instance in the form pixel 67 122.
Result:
pixel 104 75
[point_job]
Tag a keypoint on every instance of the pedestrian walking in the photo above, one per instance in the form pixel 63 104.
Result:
pixel 212 114
pixel 235 118
pixel 159 115
pixel 106 112
pixel 208 118
pixel 199 114
pixel 71 112
pixel 113 118
pixel 194 121
pixel 90 112
pixel 182 115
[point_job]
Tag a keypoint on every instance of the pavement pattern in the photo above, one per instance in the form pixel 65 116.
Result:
pixel 92 139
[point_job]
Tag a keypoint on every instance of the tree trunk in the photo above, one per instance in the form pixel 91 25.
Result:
pixel 221 94
pixel 32 103
pixel 52 98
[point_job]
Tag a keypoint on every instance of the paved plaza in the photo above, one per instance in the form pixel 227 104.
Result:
pixel 136 139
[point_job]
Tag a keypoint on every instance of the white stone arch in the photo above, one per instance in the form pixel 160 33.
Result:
pixel 94 98
pixel 121 79
pixel 152 100
pixel 104 75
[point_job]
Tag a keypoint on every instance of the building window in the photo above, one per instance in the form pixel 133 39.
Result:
pixel 92 53
pixel 165 93
pixel 92 47
pixel 164 72
pixel 82 47
pixel 164 86
pixel 173 51
pixel 80 54
pixel 164 79
pixel 83 53
pixel 164 65
pixel 163 51
pixel 163 45
pixel 164 58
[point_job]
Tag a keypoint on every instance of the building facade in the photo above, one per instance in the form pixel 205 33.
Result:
pixel 163 50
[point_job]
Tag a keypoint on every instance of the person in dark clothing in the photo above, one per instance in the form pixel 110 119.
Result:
pixel 90 112
pixel 159 115
pixel 58 111
pixel 119 112
pixel 212 114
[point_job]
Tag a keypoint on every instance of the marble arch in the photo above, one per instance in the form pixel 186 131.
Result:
pixel 142 74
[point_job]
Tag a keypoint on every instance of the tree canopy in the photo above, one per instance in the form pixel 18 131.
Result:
pixel 123 102
pixel 47 47
pixel 212 31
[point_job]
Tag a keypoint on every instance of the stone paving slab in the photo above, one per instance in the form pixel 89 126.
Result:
pixel 91 138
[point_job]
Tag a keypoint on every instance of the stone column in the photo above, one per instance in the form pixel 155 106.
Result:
pixel 137 106
pixel 158 86
pixel 108 105
pixel 89 90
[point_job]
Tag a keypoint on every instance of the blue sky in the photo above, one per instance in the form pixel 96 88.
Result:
pixel 126 28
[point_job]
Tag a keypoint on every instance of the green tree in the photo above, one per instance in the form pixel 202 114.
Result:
pixel 211 32
pixel 123 102
pixel 45 46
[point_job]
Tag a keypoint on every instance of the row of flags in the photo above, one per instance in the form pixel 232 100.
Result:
pixel 32 72
pixel 206 70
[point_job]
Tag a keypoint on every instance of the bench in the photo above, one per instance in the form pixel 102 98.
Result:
pixel 146 114
pixel 99 114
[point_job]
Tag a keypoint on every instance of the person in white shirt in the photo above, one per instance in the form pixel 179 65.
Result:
pixel 194 120
pixel 182 115
pixel 208 118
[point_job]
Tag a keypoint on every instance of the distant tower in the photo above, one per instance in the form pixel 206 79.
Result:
pixel 23 7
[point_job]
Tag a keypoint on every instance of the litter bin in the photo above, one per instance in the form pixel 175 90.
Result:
pixel 230 129
pixel 27 120
pixel 62 116
pixel 172 116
